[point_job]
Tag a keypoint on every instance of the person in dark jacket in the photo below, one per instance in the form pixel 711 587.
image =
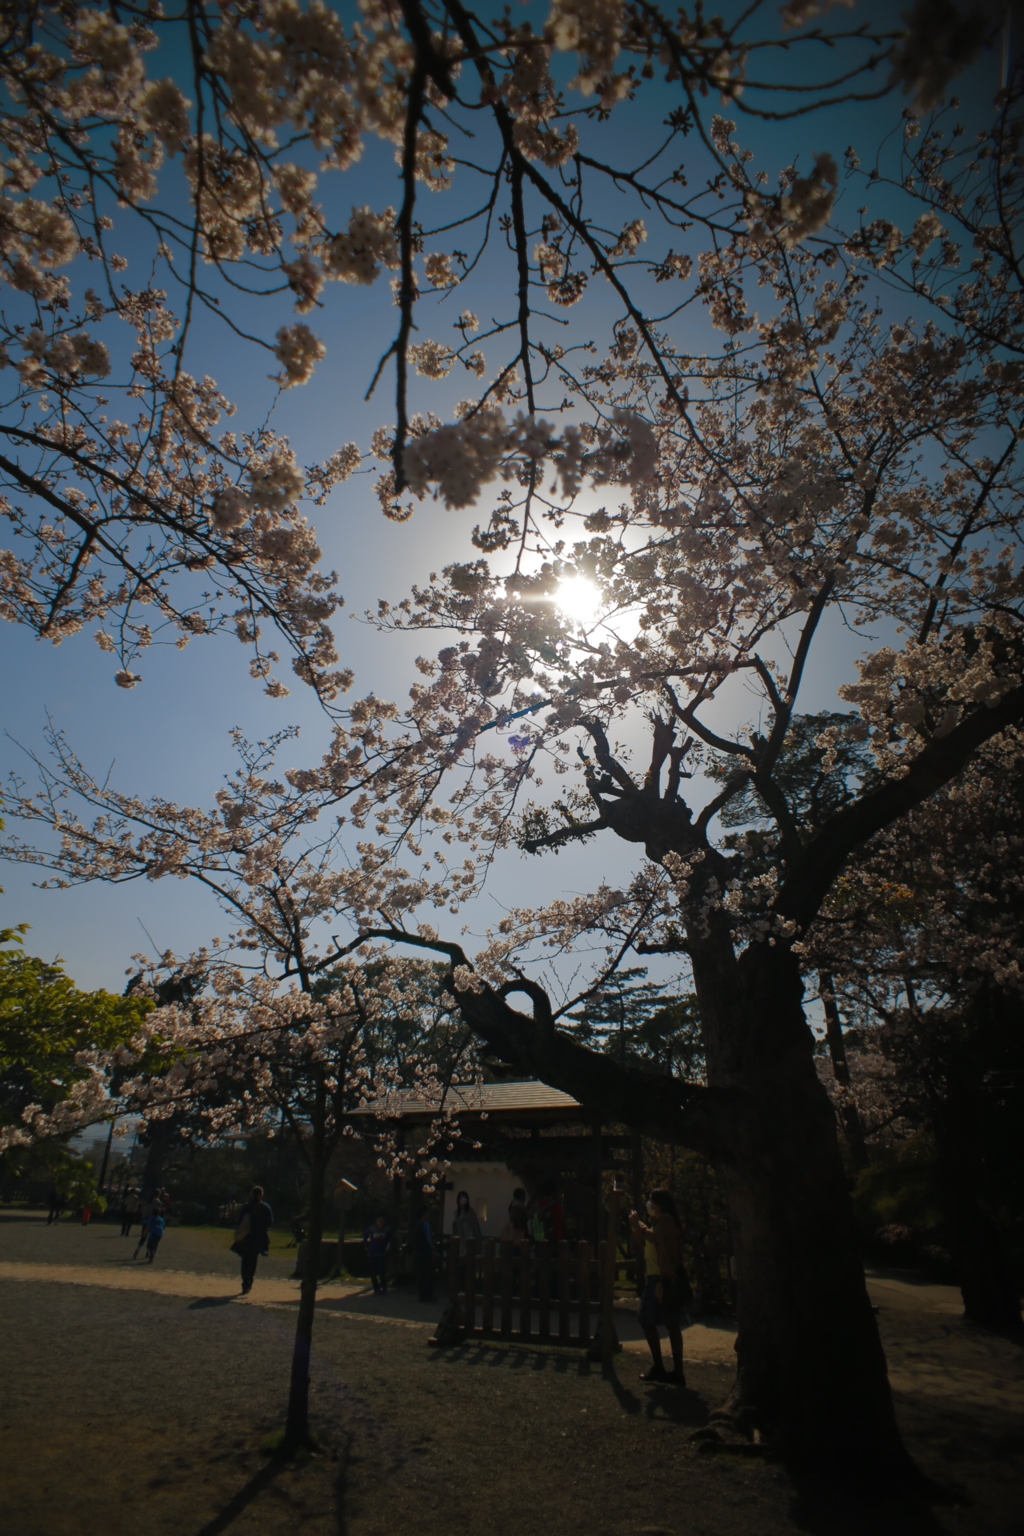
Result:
pixel 256 1218
pixel 377 1241
pixel 423 1255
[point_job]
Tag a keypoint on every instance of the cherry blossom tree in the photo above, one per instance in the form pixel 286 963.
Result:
pixel 129 505
pixel 800 415
pixel 288 1032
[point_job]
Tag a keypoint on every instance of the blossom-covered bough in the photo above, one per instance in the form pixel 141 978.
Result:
pixel 130 506
pixel 801 413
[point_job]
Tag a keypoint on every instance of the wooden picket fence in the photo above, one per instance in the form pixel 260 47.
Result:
pixel 497 1290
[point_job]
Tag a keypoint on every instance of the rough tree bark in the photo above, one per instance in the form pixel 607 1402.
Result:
pixel 848 1113
pixel 811 1370
pixel 988 1283
pixel 161 1136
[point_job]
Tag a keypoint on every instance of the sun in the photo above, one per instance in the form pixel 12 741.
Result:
pixel 579 599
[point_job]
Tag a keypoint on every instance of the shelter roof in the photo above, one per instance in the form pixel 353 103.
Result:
pixel 498 1101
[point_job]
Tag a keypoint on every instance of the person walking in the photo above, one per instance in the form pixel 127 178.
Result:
pixel 150 1207
pixel 666 1286
pixel 146 1208
pixel 56 1205
pixel 130 1210
pixel 377 1241
pixel 423 1255
pixel 154 1232
pixel 252 1235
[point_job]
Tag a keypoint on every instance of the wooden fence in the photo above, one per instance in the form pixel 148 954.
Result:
pixel 554 1292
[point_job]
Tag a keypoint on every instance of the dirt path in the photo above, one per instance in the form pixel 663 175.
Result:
pixel 135 1398
pixel 703 1342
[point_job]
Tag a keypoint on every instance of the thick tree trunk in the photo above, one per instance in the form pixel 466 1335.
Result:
pixel 101 1182
pixel 161 1135
pixel 297 1431
pixel 985 1270
pixel 811 1371
pixel 811 1368
pixel 848 1112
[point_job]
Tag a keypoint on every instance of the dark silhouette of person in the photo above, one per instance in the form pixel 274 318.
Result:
pixel 256 1218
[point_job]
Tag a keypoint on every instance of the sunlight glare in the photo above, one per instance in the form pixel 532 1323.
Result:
pixel 579 599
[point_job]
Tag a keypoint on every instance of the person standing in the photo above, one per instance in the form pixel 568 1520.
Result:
pixel 423 1255
pixel 377 1241
pixel 56 1205
pixel 517 1229
pixel 465 1223
pixel 662 1302
pixel 130 1210
pixel 252 1235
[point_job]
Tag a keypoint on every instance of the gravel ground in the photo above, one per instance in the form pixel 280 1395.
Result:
pixel 131 1411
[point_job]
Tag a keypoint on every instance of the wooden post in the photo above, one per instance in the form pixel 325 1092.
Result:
pixel 544 1291
pixel 394 1258
pixel 598 1283
pixel 470 1283
pixel 487 1277
pixel 583 1290
pixel 525 1288
pixel 506 1290
pixel 564 1321
pixel 609 1339
pixel 636 1169
pixel 453 1282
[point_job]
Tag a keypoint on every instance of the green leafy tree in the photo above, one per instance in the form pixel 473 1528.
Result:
pixel 46 1024
pixel 637 1020
pixel 923 939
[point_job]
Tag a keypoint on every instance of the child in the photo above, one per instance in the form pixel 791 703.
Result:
pixel 150 1208
pixel 154 1232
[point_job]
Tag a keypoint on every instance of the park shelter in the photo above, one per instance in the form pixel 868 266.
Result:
pixel 511 1134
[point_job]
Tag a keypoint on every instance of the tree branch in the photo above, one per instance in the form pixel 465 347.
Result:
pixel 822 859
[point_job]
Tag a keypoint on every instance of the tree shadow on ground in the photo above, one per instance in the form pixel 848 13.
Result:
pixel 243 1498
